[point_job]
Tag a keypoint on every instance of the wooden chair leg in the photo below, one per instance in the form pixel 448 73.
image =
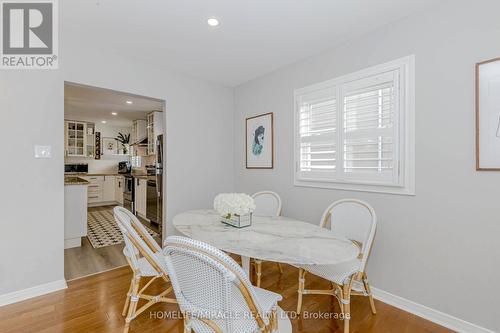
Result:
pixel 187 329
pixel 127 301
pixel 302 274
pixel 369 292
pixel 346 305
pixel 273 322
pixel 259 272
pixel 134 299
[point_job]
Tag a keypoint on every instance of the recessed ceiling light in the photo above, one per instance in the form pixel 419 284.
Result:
pixel 213 22
pixel 114 113
pixel 103 121
pixel 129 102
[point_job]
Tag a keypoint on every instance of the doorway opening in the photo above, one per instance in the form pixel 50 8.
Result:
pixel 114 146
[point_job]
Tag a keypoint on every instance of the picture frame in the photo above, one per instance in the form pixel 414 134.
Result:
pixel 109 146
pixel 487 105
pixel 259 141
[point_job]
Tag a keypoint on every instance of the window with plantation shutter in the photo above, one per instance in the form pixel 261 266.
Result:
pixel 370 129
pixel 356 132
pixel 318 134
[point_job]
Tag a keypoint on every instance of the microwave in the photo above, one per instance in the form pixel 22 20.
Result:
pixel 76 168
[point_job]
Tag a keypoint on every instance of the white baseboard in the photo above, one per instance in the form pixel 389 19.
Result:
pixel 425 312
pixel 24 294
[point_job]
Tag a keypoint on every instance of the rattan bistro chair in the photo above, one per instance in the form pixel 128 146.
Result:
pixel 214 293
pixel 146 259
pixel 357 221
pixel 267 203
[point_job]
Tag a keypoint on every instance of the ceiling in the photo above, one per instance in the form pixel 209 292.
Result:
pixel 255 36
pixel 96 104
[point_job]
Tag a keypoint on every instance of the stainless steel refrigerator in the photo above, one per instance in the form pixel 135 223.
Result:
pixel 154 206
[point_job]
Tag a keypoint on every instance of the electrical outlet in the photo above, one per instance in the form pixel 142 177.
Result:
pixel 43 152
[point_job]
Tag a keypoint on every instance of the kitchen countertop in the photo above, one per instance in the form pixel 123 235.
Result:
pixel 75 181
pixel 140 176
pixel 73 175
pixel 91 174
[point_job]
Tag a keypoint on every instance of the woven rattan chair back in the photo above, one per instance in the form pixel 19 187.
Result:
pixel 267 203
pixel 138 244
pixel 211 287
pixel 354 219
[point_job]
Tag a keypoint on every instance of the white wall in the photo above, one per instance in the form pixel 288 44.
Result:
pixel 437 248
pixel 199 121
pixel 32 191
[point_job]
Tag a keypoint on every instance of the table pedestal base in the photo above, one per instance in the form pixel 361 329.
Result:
pixel 245 264
pixel 284 324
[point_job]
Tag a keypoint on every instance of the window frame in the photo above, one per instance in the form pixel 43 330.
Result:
pixel 405 184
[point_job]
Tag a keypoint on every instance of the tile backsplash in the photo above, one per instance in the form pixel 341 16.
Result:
pixel 105 165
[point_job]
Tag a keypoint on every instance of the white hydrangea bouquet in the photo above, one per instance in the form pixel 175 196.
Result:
pixel 235 208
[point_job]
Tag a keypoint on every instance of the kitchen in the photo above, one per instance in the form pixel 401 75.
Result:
pixel 114 146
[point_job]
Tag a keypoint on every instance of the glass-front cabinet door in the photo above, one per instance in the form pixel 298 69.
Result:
pixel 75 138
pixel 151 137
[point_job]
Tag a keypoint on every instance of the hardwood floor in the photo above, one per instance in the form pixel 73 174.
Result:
pixel 85 260
pixel 94 304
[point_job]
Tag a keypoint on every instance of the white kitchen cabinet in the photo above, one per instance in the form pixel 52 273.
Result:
pixel 75 215
pixel 140 196
pixel 119 183
pixel 155 128
pixel 79 139
pixel 94 189
pixel 108 189
pixel 139 131
pixel 101 190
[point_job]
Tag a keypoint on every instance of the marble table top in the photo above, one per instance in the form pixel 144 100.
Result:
pixel 278 239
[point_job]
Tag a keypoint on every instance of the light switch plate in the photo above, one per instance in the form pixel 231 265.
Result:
pixel 43 151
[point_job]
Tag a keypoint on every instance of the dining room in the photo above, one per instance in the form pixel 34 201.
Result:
pixel 329 166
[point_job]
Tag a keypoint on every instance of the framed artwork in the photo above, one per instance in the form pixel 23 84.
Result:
pixel 488 115
pixel 109 146
pixel 260 141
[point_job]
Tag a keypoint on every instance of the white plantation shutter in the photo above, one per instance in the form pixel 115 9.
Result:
pixel 318 134
pixel 356 131
pixel 370 131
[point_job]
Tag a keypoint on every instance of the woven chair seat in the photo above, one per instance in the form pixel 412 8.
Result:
pixel 144 266
pixel 266 299
pixel 339 273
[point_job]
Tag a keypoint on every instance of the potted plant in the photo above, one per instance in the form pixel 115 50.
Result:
pixel 124 139
pixel 235 209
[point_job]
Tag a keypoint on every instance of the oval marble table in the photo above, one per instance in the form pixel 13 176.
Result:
pixel 279 239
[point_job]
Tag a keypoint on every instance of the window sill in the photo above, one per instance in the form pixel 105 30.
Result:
pixel 407 190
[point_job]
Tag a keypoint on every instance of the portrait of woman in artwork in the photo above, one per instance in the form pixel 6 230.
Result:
pixel 258 141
